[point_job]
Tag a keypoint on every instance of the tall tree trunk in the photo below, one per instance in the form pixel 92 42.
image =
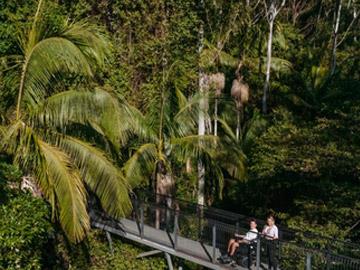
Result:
pixel 335 36
pixel 201 122
pixel 188 166
pixel 259 51
pixel 201 183
pixel 164 179
pixel 216 116
pixel 164 191
pixel 208 123
pixel 238 122
pixel 355 14
pixel 268 65
pixel 201 132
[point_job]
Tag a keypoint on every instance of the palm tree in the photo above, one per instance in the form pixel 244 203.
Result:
pixel 240 93
pixel 45 129
pixel 170 116
pixel 158 131
pixel 167 136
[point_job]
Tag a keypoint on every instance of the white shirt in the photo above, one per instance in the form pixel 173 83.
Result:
pixel 251 235
pixel 271 232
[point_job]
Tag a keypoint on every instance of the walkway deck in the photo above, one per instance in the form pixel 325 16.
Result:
pixel 197 233
pixel 161 240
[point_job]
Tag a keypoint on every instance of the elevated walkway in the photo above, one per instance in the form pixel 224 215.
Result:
pixel 161 240
pixel 200 235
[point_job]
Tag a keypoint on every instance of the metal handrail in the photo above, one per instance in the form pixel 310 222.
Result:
pixel 203 226
pixel 235 217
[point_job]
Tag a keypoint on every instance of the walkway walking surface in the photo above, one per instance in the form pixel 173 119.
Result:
pixel 187 249
pixel 195 233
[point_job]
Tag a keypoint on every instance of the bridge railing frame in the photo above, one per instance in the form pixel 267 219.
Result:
pixel 209 227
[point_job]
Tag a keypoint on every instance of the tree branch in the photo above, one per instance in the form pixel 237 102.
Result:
pixel 347 30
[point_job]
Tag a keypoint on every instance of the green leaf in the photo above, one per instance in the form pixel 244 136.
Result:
pixel 141 164
pixel 70 194
pixel 101 175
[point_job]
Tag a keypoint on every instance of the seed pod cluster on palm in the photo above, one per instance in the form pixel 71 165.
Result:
pixel 217 82
pixel 240 91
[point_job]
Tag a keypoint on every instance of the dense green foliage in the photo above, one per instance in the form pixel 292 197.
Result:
pixel 24 231
pixel 25 225
pixel 28 239
pixel 39 112
pixel 300 160
pixel 94 253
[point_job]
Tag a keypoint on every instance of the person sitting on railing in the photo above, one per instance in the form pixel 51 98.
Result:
pixel 271 234
pixel 239 241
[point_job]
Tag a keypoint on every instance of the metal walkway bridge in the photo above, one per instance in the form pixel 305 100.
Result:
pixel 200 235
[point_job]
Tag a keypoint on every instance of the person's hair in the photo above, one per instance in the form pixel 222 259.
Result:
pixel 271 216
pixel 252 220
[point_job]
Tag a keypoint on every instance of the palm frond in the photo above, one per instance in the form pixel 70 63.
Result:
pixel 2 132
pixel 142 125
pixel 186 118
pixel 89 39
pixel 10 137
pixel 194 146
pixel 234 162
pixel 117 120
pixel 9 85
pixel 9 62
pixel 101 175
pixel 61 109
pixel 181 99
pixel 210 55
pixel 279 37
pixel 227 129
pixel 34 33
pixel 252 130
pixel 141 164
pixel 319 76
pixel 280 65
pixel 48 58
pixel 97 108
pixel 68 188
pixel 217 175
pixel 55 174
pixel 20 141
pixel 227 59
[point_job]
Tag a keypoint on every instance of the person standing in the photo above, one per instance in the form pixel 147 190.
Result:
pixel 271 235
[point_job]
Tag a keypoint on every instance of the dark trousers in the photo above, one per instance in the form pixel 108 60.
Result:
pixel 249 257
pixel 245 250
pixel 271 254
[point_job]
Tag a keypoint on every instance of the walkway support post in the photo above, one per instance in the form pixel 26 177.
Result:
pixel 327 261
pixel 258 252
pixel 142 221
pixel 213 243
pixel 169 262
pixel 327 254
pixel 176 227
pixel 308 261
pixel 200 213
pixel 108 236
